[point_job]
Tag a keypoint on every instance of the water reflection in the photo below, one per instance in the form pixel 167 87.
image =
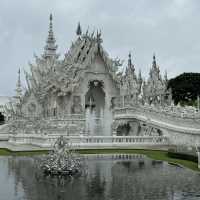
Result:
pixel 95 186
pixel 112 177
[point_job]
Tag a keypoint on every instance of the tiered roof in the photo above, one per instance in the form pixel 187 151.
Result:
pixel 51 75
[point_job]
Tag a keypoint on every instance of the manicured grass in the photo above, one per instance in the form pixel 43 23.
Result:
pixel 6 152
pixel 153 154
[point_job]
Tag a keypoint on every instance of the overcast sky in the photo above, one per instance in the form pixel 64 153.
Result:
pixel 170 28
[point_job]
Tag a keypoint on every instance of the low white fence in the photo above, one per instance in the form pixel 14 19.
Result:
pixel 90 141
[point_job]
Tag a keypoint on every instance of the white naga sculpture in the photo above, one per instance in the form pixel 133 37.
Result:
pixel 59 92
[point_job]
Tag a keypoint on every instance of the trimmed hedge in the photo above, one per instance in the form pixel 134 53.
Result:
pixel 182 156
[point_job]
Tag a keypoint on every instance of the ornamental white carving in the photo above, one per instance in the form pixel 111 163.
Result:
pixel 62 95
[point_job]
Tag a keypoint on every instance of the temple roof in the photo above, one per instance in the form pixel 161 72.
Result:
pixel 49 74
pixel 86 48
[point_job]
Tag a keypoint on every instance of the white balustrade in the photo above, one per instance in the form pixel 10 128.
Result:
pixel 198 156
pixel 174 118
pixel 90 141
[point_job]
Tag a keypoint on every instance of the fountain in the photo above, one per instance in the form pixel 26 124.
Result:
pixel 62 160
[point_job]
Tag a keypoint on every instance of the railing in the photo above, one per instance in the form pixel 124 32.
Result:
pixel 66 117
pixel 152 114
pixel 90 141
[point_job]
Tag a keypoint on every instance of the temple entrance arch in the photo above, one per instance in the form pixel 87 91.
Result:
pixel 123 130
pixel 2 118
pixel 95 96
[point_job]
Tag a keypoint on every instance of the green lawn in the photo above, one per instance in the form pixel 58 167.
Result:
pixel 6 152
pixel 153 154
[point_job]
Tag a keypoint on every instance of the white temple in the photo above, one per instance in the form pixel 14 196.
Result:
pixel 85 94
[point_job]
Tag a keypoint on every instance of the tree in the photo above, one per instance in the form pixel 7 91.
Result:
pixel 185 88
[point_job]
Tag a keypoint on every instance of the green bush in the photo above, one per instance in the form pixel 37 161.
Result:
pixel 172 154
pixel 185 88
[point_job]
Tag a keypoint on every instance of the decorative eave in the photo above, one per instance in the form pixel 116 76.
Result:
pixel 85 49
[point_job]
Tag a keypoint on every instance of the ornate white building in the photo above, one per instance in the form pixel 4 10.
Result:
pixel 84 92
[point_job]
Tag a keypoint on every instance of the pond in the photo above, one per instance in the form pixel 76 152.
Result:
pixel 105 177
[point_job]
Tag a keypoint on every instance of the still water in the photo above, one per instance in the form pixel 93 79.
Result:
pixel 110 177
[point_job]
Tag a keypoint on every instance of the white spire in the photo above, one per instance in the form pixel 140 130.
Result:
pixel 50 47
pixel 154 61
pixel 18 86
pixel 79 30
pixel 129 60
pixel 165 76
pixel 130 65
pixel 140 75
pixel 155 68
